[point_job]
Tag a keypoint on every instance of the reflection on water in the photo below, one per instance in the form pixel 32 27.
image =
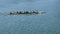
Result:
pixel 48 23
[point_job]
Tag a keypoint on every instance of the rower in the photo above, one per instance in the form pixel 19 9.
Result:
pixel 26 12
pixel 20 12
pixel 17 12
pixel 11 13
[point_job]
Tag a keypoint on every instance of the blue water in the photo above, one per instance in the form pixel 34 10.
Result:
pixel 48 23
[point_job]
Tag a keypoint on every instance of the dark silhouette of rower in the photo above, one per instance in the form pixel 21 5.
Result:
pixel 26 12
pixel 21 12
pixel 17 12
pixel 11 13
pixel 34 12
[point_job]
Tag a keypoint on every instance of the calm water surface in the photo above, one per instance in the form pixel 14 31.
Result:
pixel 48 23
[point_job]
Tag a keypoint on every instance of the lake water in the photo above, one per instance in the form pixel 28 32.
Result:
pixel 48 23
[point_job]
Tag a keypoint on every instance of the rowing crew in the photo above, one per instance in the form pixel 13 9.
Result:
pixel 27 12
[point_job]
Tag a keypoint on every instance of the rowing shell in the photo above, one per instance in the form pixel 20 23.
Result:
pixel 14 13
